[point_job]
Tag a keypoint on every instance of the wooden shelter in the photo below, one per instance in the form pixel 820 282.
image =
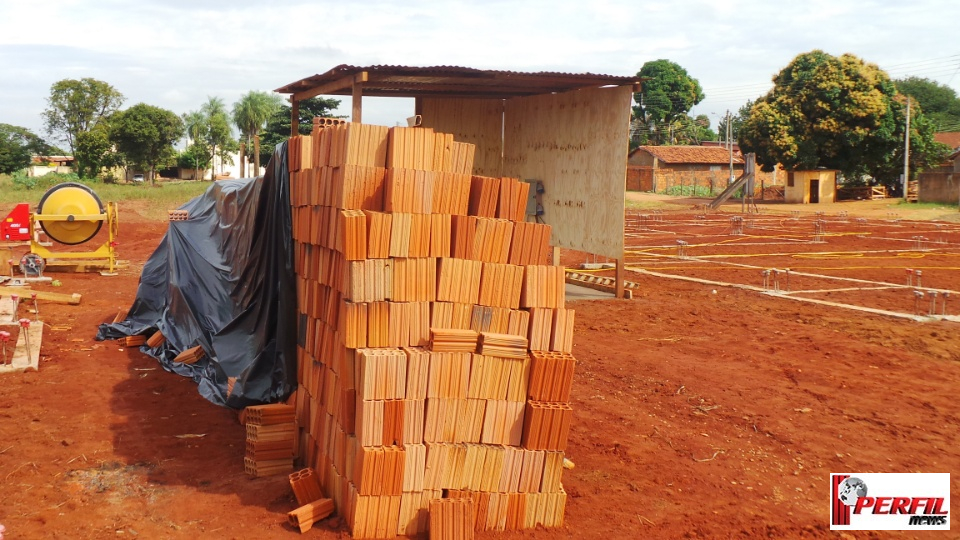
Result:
pixel 567 131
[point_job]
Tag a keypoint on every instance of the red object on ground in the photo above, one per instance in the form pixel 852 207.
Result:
pixel 16 226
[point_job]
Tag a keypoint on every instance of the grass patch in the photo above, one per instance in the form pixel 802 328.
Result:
pixel 926 205
pixel 647 205
pixel 164 195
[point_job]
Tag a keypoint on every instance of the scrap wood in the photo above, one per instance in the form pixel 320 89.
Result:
pixel 60 298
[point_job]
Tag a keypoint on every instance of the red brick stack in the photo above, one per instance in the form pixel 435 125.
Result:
pixel 421 293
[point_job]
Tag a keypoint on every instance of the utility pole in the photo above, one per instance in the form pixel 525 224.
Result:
pixel 906 154
pixel 730 146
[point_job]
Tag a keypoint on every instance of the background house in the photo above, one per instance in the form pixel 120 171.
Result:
pixel 690 170
pixel 949 138
pixel 41 165
pixel 681 169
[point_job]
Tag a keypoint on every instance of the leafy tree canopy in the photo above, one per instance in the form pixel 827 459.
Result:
pixel 832 112
pixel 277 129
pixel 15 148
pixel 250 114
pixel 668 93
pixel 145 134
pixel 95 151
pixel 939 102
pixel 18 145
pixel 75 106
pixel 196 156
pixel 736 120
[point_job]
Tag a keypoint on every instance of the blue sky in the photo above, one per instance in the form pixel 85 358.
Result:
pixel 175 53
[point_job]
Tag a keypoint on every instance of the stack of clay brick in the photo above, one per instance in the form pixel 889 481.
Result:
pixel 271 439
pixel 434 347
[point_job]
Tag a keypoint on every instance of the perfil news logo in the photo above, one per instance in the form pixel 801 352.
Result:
pixel 890 501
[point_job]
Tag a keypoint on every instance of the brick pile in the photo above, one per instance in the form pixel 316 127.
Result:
pixel 434 350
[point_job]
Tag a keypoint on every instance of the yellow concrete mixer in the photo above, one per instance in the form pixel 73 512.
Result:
pixel 72 214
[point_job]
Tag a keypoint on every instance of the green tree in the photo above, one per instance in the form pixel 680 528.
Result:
pixel 250 114
pixel 685 130
pixel 196 157
pixel 17 145
pixel 925 152
pixel 76 106
pixel 277 129
pixel 195 126
pixel 217 133
pixel 668 93
pixel 736 121
pixel 145 134
pixel 939 102
pixel 95 151
pixel 832 112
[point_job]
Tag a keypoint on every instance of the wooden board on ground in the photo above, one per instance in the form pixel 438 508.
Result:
pixel 25 292
pixel 17 358
pixel 6 308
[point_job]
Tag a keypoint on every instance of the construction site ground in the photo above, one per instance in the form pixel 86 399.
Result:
pixel 698 414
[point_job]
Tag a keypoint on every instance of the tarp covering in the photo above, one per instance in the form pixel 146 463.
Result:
pixel 224 279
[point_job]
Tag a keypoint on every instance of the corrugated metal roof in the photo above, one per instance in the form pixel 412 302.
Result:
pixel 447 81
pixel 691 154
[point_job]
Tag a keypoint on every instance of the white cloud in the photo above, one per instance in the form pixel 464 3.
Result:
pixel 175 53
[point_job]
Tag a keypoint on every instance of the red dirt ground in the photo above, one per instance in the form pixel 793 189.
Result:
pixel 697 415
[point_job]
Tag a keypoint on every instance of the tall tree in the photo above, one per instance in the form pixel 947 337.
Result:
pixel 95 151
pixel 196 157
pixel 76 106
pixel 195 131
pixel 218 133
pixel 17 145
pixel 939 102
pixel 277 129
pixel 736 121
pixel 250 114
pixel 667 93
pixel 832 112
pixel 145 134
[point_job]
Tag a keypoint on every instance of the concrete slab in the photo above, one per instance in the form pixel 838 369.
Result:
pixel 576 292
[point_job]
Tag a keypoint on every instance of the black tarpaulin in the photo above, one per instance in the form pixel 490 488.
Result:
pixel 224 279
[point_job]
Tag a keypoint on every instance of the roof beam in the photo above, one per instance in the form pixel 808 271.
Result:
pixel 333 87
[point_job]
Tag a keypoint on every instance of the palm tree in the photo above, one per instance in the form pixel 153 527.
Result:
pixel 218 126
pixel 195 124
pixel 250 114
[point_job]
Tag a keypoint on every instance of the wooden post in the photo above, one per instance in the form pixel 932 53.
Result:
pixel 256 155
pixel 620 277
pixel 294 118
pixel 243 160
pixel 556 256
pixel 357 101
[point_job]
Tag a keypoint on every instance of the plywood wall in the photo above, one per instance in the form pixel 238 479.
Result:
pixel 576 144
pixel 476 121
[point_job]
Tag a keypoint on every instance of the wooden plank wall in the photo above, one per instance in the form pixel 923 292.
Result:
pixel 475 121
pixel 575 143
